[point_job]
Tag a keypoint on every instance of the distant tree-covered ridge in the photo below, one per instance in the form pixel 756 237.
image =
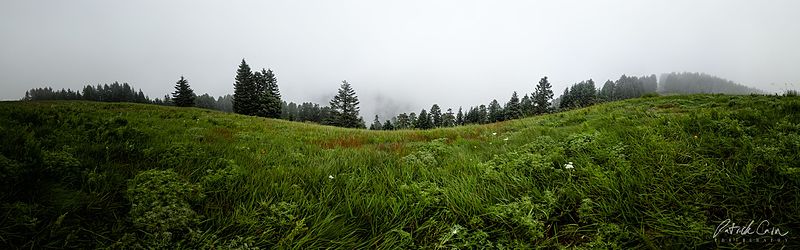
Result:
pixel 257 94
pixel 701 83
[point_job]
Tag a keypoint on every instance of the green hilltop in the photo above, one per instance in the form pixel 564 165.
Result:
pixel 645 172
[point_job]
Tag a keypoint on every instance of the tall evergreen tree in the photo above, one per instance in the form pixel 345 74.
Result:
pixel 460 117
pixel 436 116
pixel 402 122
pixel 513 108
pixel 448 119
pixel 269 97
pixel 183 95
pixel 344 108
pixel 376 124
pixel 526 104
pixel 483 114
pixel 541 96
pixel 388 125
pixel 495 111
pixel 607 92
pixel 244 91
pixel 424 120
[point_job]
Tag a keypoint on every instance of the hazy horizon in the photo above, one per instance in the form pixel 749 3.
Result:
pixel 399 56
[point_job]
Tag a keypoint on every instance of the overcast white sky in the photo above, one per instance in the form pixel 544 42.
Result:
pixel 400 56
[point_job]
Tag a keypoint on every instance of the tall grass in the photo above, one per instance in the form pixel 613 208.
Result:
pixel 653 172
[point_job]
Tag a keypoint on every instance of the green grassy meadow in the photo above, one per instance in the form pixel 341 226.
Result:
pixel 658 172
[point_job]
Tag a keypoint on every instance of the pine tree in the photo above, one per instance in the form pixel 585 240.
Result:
pixel 269 97
pixel 403 121
pixel 376 124
pixel 607 92
pixel 388 125
pixel 448 119
pixel 344 108
pixel 526 104
pixel 436 116
pixel 183 95
pixel 424 120
pixel 513 109
pixel 460 117
pixel 495 111
pixel 483 115
pixel 541 96
pixel 244 91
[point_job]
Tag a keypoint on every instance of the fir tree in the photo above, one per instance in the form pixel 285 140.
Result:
pixel 344 108
pixel 183 95
pixel 436 116
pixel 448 119
pixel 526 104
pixel 424 120
pixel 269 97
pixel 541 96
pixel 460 117
pixel 495 111
pixel 376 124
pixel 513 109
pixel 244 91
pixel 388 125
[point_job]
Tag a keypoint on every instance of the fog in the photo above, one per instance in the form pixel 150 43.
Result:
pixel 400 56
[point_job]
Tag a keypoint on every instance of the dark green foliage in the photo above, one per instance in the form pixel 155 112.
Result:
pixel 448 119
pixel 404 121
pixel 114 92
pixel 541 97
pixel 460 117
pixel 526 104
pixel 268 95
pixel 245 98
pixel 388 125
pixel 513 108
pixel 423 120
pixel 495 113
pixel 376 124
pixel 659 172
pixel 183 95
pixel 344 108
pixel 606 94
pixel 436 116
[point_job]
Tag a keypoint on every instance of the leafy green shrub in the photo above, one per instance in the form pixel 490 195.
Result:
pixel 63 164
pixel 524 217
pixel 222 179
pixel 422 194
pixel 160 206
pixel 426 154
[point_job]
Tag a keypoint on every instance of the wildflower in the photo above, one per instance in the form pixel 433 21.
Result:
pixel 569 166
pixel 695 136
pixel 494 133
pixel 506 139
pixel 330 177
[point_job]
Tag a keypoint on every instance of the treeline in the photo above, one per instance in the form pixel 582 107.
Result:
pixel 539 102
pixel 585 93
pixel 701 83
pixel 114 92
pixel 257 94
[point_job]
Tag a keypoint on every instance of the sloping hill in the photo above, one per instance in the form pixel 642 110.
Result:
pixel 659 172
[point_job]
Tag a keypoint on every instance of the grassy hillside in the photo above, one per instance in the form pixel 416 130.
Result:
pixel 650 172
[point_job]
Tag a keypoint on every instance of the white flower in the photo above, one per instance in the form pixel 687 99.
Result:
pixel 494 133
pixel 506 139
pixel 330 177
pixel 568 166
pixel 455 231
